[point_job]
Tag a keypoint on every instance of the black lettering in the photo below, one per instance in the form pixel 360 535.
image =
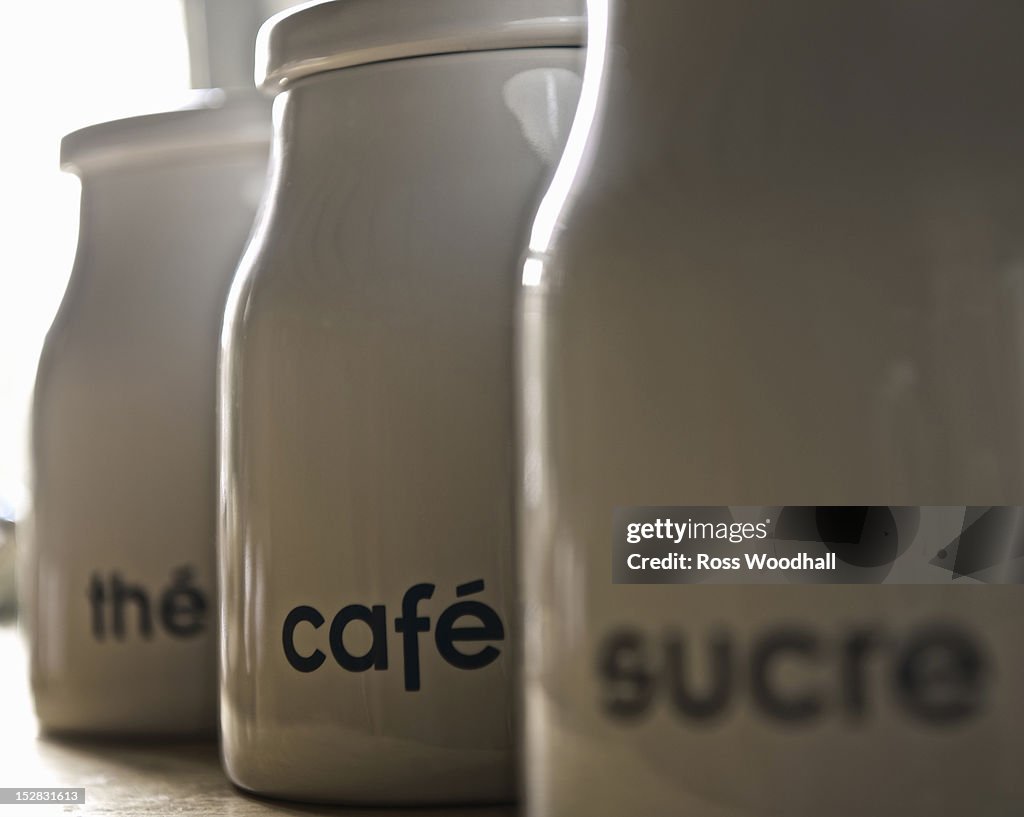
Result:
pixel 303 663
pixel 447 634
pixel 940 675
pixel 853 671
pixel 96 598
pixel 629 685
pixel 410 625
pixel 764 656
pixel 123 593
pixel 716 697
pixel 183 607
pixel 376 619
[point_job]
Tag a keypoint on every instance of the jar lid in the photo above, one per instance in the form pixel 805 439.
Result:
pixel 209 120
pixel 325 36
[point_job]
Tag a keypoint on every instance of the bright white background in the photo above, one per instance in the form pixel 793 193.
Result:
pixel 68 63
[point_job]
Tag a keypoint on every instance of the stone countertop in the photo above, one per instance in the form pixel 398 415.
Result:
pixel 136 779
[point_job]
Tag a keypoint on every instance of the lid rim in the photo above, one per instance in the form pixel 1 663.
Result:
pixel 333 35
pixel 240 121
pixel 96 158
pixel 299 70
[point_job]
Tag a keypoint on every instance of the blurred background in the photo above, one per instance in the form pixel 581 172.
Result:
pixel 75 63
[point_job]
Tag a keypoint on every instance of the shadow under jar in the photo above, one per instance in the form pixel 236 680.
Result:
pixel 366 424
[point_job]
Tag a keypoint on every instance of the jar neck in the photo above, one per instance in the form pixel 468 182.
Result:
pixel 708 115
pixel 359 150
pixel 143 228
pixel 158 244
pixel 707 87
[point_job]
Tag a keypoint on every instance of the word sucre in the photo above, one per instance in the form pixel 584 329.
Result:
pixel 937 674
pixel 448 637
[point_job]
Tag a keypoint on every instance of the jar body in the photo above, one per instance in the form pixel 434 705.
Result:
pixel 118 578
pixel 366 431
pixel 790 276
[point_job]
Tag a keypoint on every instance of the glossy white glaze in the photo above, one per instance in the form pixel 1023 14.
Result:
pixel 326 36
pixel 123 438
pixel 366 425
pixel 790 270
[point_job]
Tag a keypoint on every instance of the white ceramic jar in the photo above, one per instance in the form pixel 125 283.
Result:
pixel 117 579
pixel 789 271
pixel 366 425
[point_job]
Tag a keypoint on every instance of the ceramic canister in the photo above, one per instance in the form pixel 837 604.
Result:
pixel 789 270
pixel 117 577
pixel 366 398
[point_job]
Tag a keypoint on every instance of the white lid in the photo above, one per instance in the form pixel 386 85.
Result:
pixel 324 36
pixel 209 120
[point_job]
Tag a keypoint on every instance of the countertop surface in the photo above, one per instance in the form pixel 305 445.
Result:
pixel 135 779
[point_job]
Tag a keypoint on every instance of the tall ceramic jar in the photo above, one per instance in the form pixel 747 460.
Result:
pixel 789 270
pixel 118 585
pixel 366 399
